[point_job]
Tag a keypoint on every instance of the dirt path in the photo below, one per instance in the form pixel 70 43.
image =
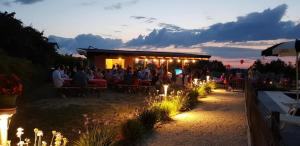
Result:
pixel 218 120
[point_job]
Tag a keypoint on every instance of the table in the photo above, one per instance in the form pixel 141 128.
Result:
pixel 93 82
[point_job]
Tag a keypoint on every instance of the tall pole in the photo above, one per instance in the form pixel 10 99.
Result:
pixel 297 73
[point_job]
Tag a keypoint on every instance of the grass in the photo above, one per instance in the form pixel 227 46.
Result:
pixel 97 136
pixel 66 115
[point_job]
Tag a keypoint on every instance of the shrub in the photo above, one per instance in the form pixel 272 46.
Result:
pixel 132 130
pixel 148 118
pixel 97 136
pixel 212 85
pixel 192 99
pixel 202 91
pixel 161 114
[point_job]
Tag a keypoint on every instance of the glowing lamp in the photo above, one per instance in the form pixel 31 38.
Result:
pixel 166 86
pixel 146 59
pixel 163 60
pixel 119 58
pixel 178 60
pixel 5 115
pixel 136 60
pixel 193 61
pixel 154 60
pixel 185 61
pixel 196 81
pixel 207 78
pixel 171 60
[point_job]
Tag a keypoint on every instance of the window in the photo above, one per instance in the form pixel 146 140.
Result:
pixel 110 62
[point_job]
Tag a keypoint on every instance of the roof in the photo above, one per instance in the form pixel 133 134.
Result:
pixel 84 51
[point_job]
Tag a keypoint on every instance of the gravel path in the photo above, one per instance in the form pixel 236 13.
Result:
pixel 219 120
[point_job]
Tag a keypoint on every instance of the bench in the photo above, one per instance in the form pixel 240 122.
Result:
pixel 75 90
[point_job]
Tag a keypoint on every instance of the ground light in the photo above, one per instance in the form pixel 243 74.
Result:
pixel 195 81
pixel 5 116
pixel 166 86
pixel 207 78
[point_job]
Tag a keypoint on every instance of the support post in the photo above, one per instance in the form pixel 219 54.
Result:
pixel 297 74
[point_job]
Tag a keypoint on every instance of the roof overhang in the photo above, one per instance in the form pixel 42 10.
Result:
pixel 88 52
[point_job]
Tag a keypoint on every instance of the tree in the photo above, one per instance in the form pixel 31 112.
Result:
pixel 25 42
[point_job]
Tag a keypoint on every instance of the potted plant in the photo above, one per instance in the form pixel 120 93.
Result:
pixel 10 88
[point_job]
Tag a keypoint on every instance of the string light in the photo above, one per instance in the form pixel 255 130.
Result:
pixel 136 60
pixel 171 60
pixel 146 59
pixel 178 60
pixel 193 61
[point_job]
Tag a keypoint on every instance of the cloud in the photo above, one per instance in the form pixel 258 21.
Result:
pixel 88 3
pixel 120 5
pixel 26 2
pixel 144 19
pixel 170 26
pixel 69 45
pixel 23 2
pixel 265 25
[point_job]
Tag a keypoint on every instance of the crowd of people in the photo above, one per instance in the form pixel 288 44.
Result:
pixel 155 76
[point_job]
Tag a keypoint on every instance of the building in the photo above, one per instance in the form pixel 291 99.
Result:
pixel 105 59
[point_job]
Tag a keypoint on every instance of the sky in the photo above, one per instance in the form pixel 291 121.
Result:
pixel 228 30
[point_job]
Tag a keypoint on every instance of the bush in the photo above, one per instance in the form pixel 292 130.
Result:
pixel 192 98
pixel 202 91
pixel 97 136
pixel 148 118
pixel 212 85
pixel 132 130
pixel 161 114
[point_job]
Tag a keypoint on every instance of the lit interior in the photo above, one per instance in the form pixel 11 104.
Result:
pixel 110 62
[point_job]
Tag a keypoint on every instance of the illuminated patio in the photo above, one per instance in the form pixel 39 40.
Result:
pixel 219 119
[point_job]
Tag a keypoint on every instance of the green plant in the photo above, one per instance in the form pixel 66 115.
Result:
pixel 132 130
pixel 202 91
pixel 148 118
pixel 161 114
pixel 97 136
pixel 212 85
pixel 192 98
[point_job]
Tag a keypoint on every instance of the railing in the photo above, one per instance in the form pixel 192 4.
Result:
pixel 263 124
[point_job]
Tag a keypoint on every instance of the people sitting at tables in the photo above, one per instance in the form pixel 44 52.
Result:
pixel 62 72
pixel 58 81
pixel 98 74
pixel 90 74
pixel 80 78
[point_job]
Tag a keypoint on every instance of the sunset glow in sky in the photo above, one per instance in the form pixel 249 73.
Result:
pixel 228 30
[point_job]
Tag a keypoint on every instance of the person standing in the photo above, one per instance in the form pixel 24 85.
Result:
pixel 58 81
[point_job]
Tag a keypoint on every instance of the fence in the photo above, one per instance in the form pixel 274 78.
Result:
pixel 263 124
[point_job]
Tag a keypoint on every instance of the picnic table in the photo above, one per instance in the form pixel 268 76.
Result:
pixel 91 83
pixel 94 86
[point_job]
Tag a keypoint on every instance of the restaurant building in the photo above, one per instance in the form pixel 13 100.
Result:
pixel 105 59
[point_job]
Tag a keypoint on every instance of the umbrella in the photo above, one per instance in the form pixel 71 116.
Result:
pixel 290 48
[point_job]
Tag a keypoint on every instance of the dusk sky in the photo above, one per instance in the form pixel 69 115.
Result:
pixel 228 30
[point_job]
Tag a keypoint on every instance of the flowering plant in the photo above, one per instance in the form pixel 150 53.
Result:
pixel 10 85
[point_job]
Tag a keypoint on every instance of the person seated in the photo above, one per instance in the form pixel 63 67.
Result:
pixel 98 74
pixel 90 74
pixel 62 72
pixel 80 78
pixel 58 81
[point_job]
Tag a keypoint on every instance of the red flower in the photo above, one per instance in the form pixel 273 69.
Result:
pixel 10 85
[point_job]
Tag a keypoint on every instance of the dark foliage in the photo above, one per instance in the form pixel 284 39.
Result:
pixel 148 119
pixel 277 67
pixel 24 41
pixel 192 98
pixel 132 130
